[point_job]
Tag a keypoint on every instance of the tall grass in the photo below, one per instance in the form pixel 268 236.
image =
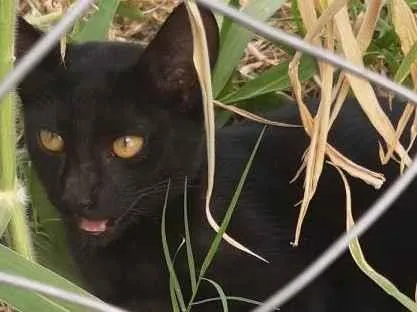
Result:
pixel 12 209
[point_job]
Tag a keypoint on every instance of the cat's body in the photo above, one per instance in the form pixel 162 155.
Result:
pixel 108 90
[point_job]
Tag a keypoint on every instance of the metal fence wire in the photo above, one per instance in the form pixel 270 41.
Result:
pixel 41 48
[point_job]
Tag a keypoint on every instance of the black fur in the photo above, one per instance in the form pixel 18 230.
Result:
pixel 104 90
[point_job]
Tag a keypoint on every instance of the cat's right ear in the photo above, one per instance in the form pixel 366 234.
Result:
pixel 26 37
pixel 167 66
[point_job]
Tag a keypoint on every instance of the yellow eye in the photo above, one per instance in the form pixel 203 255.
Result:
pixel 51 141
pixel 127 146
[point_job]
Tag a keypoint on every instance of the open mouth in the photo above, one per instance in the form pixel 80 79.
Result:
pixel 95 227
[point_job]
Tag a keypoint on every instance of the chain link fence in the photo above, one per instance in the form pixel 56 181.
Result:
pixel 41 48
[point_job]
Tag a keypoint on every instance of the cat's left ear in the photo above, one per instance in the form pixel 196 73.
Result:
pixel 167 63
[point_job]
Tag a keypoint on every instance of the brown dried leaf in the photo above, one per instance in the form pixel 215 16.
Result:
pixel 364 38
pixel 316 151
pixel 202 65
pixel 314 26
pixel 254 117
pixel 319 127
pixel 406 28
pixel 363 89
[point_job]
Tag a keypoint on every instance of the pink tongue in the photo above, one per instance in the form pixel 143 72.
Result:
pixel 93 226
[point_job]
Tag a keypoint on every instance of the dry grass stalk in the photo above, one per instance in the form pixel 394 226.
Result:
pixel 202 65
pixel 254 117
pixel 406 28
pixel 316 151
pixel 5 308
pixel 363 89
pixel 318 128
pixel 364 38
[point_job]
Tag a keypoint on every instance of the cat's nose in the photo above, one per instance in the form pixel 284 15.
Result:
pixel 80 189
pixel 78 204
pixel 79 199
pixel 86 204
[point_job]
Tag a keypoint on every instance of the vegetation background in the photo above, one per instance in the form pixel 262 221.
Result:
pixel 252 74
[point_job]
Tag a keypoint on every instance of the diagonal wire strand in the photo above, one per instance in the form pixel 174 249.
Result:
pixel 30 60
pixel 382 204
pixel 278 36
pixel 341 244
pixel 55 292
pixel 42 47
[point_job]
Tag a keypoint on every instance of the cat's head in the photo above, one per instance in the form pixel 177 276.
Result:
pixel 107 127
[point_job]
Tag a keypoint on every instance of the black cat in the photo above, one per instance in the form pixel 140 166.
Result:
pixel 109 127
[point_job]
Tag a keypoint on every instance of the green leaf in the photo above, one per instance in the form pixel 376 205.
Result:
pixel 229 212
pixel 262 105
pixel 357 254
pixel 231 298
pixel 130 11
pixel 359 258
pixel 217 239
pixel 221 293
pixel 49 235
pixel 23 300
pixel 405 67
pixel 297 18
pixel 274 79
pixel 174 283
pixel 265 103
pixel 174 297
pixel 235 40
pixel 412 3
pixel 227 22
pixel 97 26
pixel 190 256
pixel 174 302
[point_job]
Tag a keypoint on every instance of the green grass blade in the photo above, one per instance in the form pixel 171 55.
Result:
pixel 12 210
pixel 262 104
pixel 7 108
pixel 359 258
pixel 380 280
pixel 217 239
pixel 168 260
pixel 273 80
pixel 174 301
pixel 297 18
pixel 405 67
pixel 231 298
pixel 222 295
pixel 227 22
pixel 7 118
pixel 178 250
pixel 235 40
pixel 23 300
pixel 97 26
pixel 190 256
